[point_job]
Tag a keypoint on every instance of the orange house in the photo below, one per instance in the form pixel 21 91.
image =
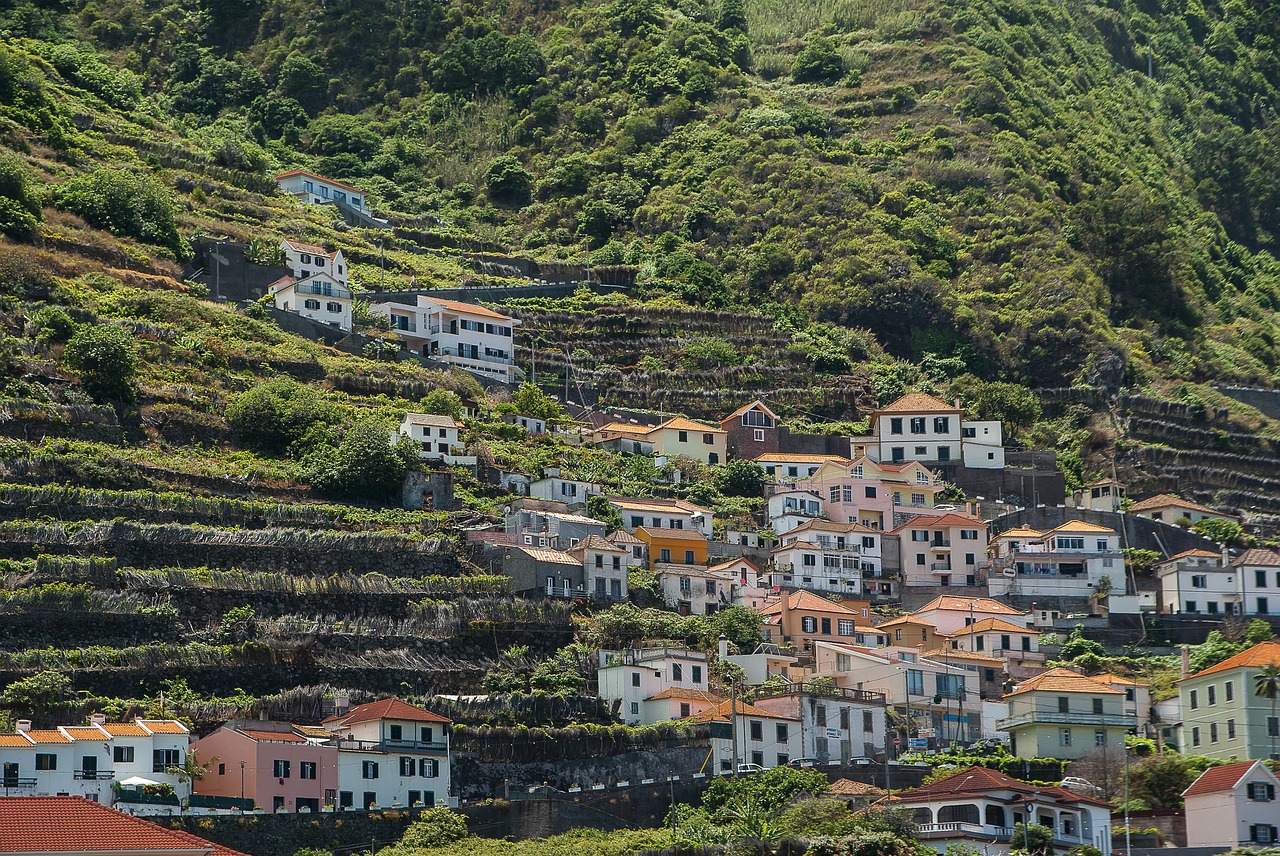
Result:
pixel 912 631
pixel 800 617
pixel 674 546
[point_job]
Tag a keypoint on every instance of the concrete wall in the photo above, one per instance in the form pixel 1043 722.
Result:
pixel 238 280
pixel 1140 532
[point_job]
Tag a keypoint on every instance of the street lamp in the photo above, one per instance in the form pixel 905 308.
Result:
pixel 242 784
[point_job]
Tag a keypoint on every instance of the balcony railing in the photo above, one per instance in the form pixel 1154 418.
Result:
pixel 997 833
pixel 128 795
pixel 15 783
pixel 392 746
pixel 482 358
pixel 865 696
pixel 95 775
pixel 410 327
pixel 1080 718
pixel 210 801
pixel 325 291
pixel 940 542
pixel 940 566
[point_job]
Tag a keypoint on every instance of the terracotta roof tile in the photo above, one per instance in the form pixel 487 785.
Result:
pixel 806 600
pixel 431 420
pixel 85 732
pixel 1119 680
pixel 1080 526
pixel 555 557
pixel 1190 554
pixel 850 788
pixel 1063 681
pixel 758 404
pixel 125 729
pixel 79 825
pixel 271 736
pixel 643 503
pixel 948 519
pixel 918 402
pixel 470 308
pixel 725 566
pixel 988 625
pixel 12 741
pixel 1020 532
pixel 334 181
pixel 310 248
pixel 387 708
pixel 1258 556
pixel 1217 779
pixel 961 604
pixel 624 537
pixel 944 654
pixel 163 726
pixel 800 458
pixel 679 423
pixel 724 711
pixel 48 736
pixel 1166 500
pixel 1262 654
pixel 671 534
pixel 686 694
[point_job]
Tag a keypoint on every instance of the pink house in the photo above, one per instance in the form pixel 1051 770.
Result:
pixel 269 763
pixel 863 491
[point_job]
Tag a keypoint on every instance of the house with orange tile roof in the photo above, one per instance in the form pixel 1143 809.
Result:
pixel 979 808
pixel 1235 805
pixel 952 613
pixel 544 572
pixel 788 468
pixel 317 296
pixel 267 764
pixel 1167 508
pixel 669 675
pixel 1222 716
pixel 920 427
pixel 912 630
pixel 391 752
pixel 1198 582
pixel 1064 714
pixel 76 826
pixel 942 550
pixel 306 260
pixel 311 189
pixel 90 760
pixel 827 557
pixel 1016 644
pixel 1069 560
pixel 764 738
pixel 871 493
pixel 799 618
pixel 467 335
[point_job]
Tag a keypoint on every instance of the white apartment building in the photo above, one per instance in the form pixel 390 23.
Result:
pixel 760 737
pixel 835 723
pixel 945 550
pixel 1066 561
pixel 389 753
pixel 787 509
pixel 318 296
pixel 636 676
pixel 920 427
pixel 822 556
pixel 1197 581
pixel 605 566
pixel 466 335
pixel 638 512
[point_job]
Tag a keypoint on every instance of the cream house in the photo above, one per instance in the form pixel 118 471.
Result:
pixel 1063 714
pixel 920 427
pixel 1234 805
pixel 1170 509
pixel 944 550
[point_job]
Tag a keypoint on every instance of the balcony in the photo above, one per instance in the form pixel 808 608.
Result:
pixel 940 542
pixel 981 830
pixel 13 783
pixel 210 801
pixel 94 775
pixel 478 357
pixel 940 566
pixel 864 696
pixel 391 746
pixel 137 797
pixel 403 327
pixel 1117 720
pixel 324 290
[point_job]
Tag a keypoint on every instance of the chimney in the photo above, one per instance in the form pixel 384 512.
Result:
pixel 24 725
pixel 956 402
pixel 98 719
pixel 723 646
pixel 1226 557
pixel 341 704
pixel 1186 661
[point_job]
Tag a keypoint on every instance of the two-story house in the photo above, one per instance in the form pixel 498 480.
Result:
pixel 633 677
pixel 800 618
pixel 826 557
pixel 790 468
pixel 1063 714
pixel 544 572
pixel 306 260
pixel 391 752
pixel 560 489
pixel 1015 644
pixel 680 437
pixel 920 427
pixel 952 613
pixel 311 189
pixel 673 546
pixel 467 335
pixel 437 436
pixel 1258 571
pixel 1100 495
pixel 1232 806
pixel 912 631
pixel 751 431
pixel 835 723
pixel 662 514
pixel 693 590
pixel 318 297
pixel 979 808
pixel 269 764
pixel 787 509
pixel 864 491
pixel 1222 716
pixel 763 738
pixel 605 567
pixel 1198 581
pixel 1067 561
pixel 1170 509
pixel 534 527
pixel 944 550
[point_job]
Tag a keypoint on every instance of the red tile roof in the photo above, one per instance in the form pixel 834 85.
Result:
pixel 333 181
pixel 76 824
pixel 1217 779
pixel 1165 500
pixel 686 695
pixel 988 625
pixel 163 726
pixel 469 308
pixel 850 788
pixel 977 781
pixel 1258 556
pixel 1063 681
pixel 275 736
pixel 806 600
pixel 1262 654
pixel 724 712
pixel 961 604
pixel 310 248
pixel 918 402
pixel 948 519
pixel 744 408
pixel 11 741
pixel 387 708
pixel 124 729
pixel 50 736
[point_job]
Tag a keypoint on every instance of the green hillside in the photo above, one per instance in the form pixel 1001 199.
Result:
pixel 997 181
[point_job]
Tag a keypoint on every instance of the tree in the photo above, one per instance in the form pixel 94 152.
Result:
pixel 41 690
pixel 818 62
pixel 366 464
pixel 303 81
pixel 124 203
pixel 435 827
pixel 531 401
pixel 273 416
pixel 741 478
pixel 442 402
pixel 1225 532
pixel 1033 840
pixel 1266 684
pixel 739 624
pixel 53 324
pixel 20 200
pixel 774 788
pixel 239 624
pixel 508 181
pixel 104 357
pixel 1258 631
pixel 1077 644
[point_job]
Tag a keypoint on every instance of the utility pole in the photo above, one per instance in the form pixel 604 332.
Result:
pixel 1127 845
pixel 733 717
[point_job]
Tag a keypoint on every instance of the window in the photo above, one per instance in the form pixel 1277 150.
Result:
pixel 407 766
pixel 1195 736
pixel 636 521
pixel 845 627
pixel 950 686
pixel 1213 695
pixel 1004 641
pixel 346 799
pixel 922 450
pixel 369 770
pixel 1195 699
pixel 1261 791
pixel 635 708
pixel 664 555
pixel 1099 738
pixel 306 769
pixel 809 560
pixel 311 304
pixel 1103 546
pixel 917 425
pixel 1260 579
pixel 917 499
pixel 122 754
pixel 759 435
pixel 1199 581
pixel 869 492
pixel 333 308
pixel 1229 688
pixel 1231 729
pixel 684 436
pixel 677 672
pixel 915 682
pixel 1262 833
pixel 868 722
pixel 280 769
pixel 1097 706
pixel 1064 736
pixel 370 798
pixel 919 535
pixel 688 560
pixel 941 424
pixel 781 733
pixel 428 768
pixel 46 761
pixel 756 729
pixel 1262 606
pixel 163 759
pixel 757 758
pixel 944 453
pixel 708 440
pixel 822 715
pixel 809 624
pixel 1273 726
pixel 1213 732
pixel 697 674
pixel 277 804
pixel 1070 543
pixel 895 425
pixel 826 626
pixel 1064 704
pixel 395 732
pixel 635 679
pixel 426 734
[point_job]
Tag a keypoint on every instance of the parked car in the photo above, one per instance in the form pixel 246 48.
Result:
pixel 798 763
pixel 749 768
pixel 1080 786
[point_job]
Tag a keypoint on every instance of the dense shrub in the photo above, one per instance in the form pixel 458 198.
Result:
pixel 106 360
pixel 273 416
pixel 124 203
pixel 19 199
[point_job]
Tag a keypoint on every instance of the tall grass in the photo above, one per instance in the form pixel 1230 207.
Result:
pixel 772 22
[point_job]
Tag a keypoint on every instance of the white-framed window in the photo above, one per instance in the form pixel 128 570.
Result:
pixel 759 435
pixel 311 304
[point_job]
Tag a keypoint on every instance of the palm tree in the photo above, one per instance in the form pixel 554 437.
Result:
pixel 1266 684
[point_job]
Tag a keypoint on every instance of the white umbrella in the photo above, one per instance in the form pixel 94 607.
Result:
pixel 137 782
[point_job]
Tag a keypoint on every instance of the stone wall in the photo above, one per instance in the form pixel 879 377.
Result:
pixel 52 628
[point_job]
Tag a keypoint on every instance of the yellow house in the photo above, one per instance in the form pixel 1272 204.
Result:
pixel 674 546
pixel 1063 714
pixel 680 436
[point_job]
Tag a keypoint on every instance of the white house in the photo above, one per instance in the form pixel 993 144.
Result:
pixel 943 550
pixel 694 590
pixel 466 335
pixel 1232 806
pixel 1197 581
pixel 651 514
pixel 438 437
pixel 764 738
pixel 950 614
pixel 920 427
pixel 532 425
pixel 835 723
pixel 605 566
pixel 318 296
pixel 90 760
pixel 1170 509
pixel 311 189
pixel 638 676
pixel 568 491
pixel 822 556
pixel 1101 495
pixel 551 529
pixel 979 807
pixel 787 509
pixel 1066 561
pixel 304 260
pixel 392 752
pixel 1259 575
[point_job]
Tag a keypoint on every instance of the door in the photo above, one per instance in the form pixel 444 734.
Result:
pixel 10 775
pixel 89 766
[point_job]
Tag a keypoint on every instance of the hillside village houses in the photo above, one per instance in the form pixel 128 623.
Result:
pixel 1222 716
pixel 1234 805
pixel 919 427
pixel 864 491
pixel 764 738
pixel 1070 560
pixel 645 682
pixel 1063 714
pixel 466 335
pixel 1171 509
pixel 311 189
pixel 935 551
